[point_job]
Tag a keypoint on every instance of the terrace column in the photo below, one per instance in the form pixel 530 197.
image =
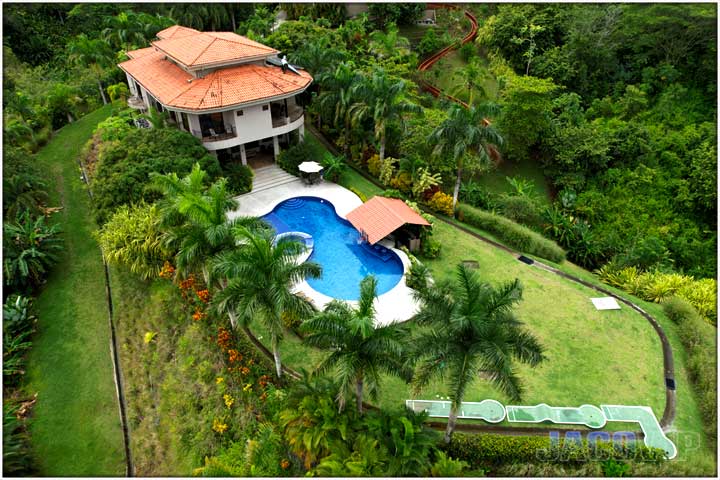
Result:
pixel 301 132
pixel 276 146
pixel 243 158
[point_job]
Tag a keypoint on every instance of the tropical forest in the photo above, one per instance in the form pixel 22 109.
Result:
pixel 544 305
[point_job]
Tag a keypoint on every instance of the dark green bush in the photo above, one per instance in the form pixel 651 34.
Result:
pixel 393 193
pixel 302 152
pixel 123 170
pixel 478 196
pixel 678 309
pixel 514 235
pixel 239 177
pixel 492 450
pixel 698 338
pixel 521 209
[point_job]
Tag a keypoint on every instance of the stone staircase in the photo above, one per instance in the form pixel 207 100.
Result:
pixel 271 176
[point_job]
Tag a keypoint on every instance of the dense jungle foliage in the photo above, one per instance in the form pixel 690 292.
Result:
pixel 612 105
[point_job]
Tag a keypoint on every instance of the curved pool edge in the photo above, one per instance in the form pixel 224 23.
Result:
pixel 395 305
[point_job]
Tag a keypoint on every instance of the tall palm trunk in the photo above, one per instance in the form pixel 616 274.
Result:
pixel 276 356
pixel 359 393
pixel 452 420
pixel 382 146
pixel 456 191
pixel 102 92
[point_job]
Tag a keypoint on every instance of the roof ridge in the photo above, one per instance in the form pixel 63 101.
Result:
pixel 254 67
pixel 210 83
pixel 203 50
pixel 241 40
pixel 388 207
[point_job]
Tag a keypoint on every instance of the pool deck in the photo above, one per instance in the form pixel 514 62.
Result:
pixel 396 305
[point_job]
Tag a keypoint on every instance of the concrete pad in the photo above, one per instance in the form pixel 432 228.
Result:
pixel 605 303
pixel 396 305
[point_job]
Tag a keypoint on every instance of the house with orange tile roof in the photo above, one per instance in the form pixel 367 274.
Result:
pixel 221 87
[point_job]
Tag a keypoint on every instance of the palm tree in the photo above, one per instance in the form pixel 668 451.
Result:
pixel 470 76
pixel 465 135
pixel 92 53
pixel 388 44
pixel 472 330
pixel 258 277
pixel 333 166
pixel 318 57
pixel 194 219
pixel 384 99
pixel 337 96
pixel 360 350
pixel 128 30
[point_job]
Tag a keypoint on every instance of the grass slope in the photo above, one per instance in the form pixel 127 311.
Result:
pixel 75 430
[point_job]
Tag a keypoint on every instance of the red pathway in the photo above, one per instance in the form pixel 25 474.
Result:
pixel 434 58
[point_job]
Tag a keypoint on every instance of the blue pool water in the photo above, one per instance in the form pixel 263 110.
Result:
pixel 337 247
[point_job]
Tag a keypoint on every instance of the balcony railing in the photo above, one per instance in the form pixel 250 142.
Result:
pixel 294 114
pixel 210 135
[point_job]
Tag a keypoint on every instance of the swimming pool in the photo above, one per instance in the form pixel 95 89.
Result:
pixel 337 247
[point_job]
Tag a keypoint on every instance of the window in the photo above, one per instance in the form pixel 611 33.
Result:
pixel 265 107
pixel 239 113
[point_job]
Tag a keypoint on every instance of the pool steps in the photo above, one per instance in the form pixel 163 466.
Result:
pixel 269 177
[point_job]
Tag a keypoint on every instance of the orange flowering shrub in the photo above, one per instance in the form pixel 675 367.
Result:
pixel 199 314
pixel 167 271
pixel 234 356
pixel 223 339
pixel 203 295
pixel 188 283
pixel 284 464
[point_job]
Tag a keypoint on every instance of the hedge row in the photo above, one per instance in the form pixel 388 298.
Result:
pixel 514 235
pixel 698 338
pixel 483 450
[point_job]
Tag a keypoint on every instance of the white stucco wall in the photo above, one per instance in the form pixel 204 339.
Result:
pixel 254 124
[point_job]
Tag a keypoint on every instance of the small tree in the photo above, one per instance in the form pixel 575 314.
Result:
pixel 118 91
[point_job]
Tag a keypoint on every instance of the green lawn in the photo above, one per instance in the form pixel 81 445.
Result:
pixel 75 428
pixel 611 357
pixel 443 75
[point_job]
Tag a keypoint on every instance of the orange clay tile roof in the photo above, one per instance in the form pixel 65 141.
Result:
pixel 199 49
pixel 222 88
pixel 380 216
pixel 140 53
pixel 176 31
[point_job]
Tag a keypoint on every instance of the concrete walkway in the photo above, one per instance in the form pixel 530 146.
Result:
pixel 396 305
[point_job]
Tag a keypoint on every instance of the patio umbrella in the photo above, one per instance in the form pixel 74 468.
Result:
pixel 310 167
